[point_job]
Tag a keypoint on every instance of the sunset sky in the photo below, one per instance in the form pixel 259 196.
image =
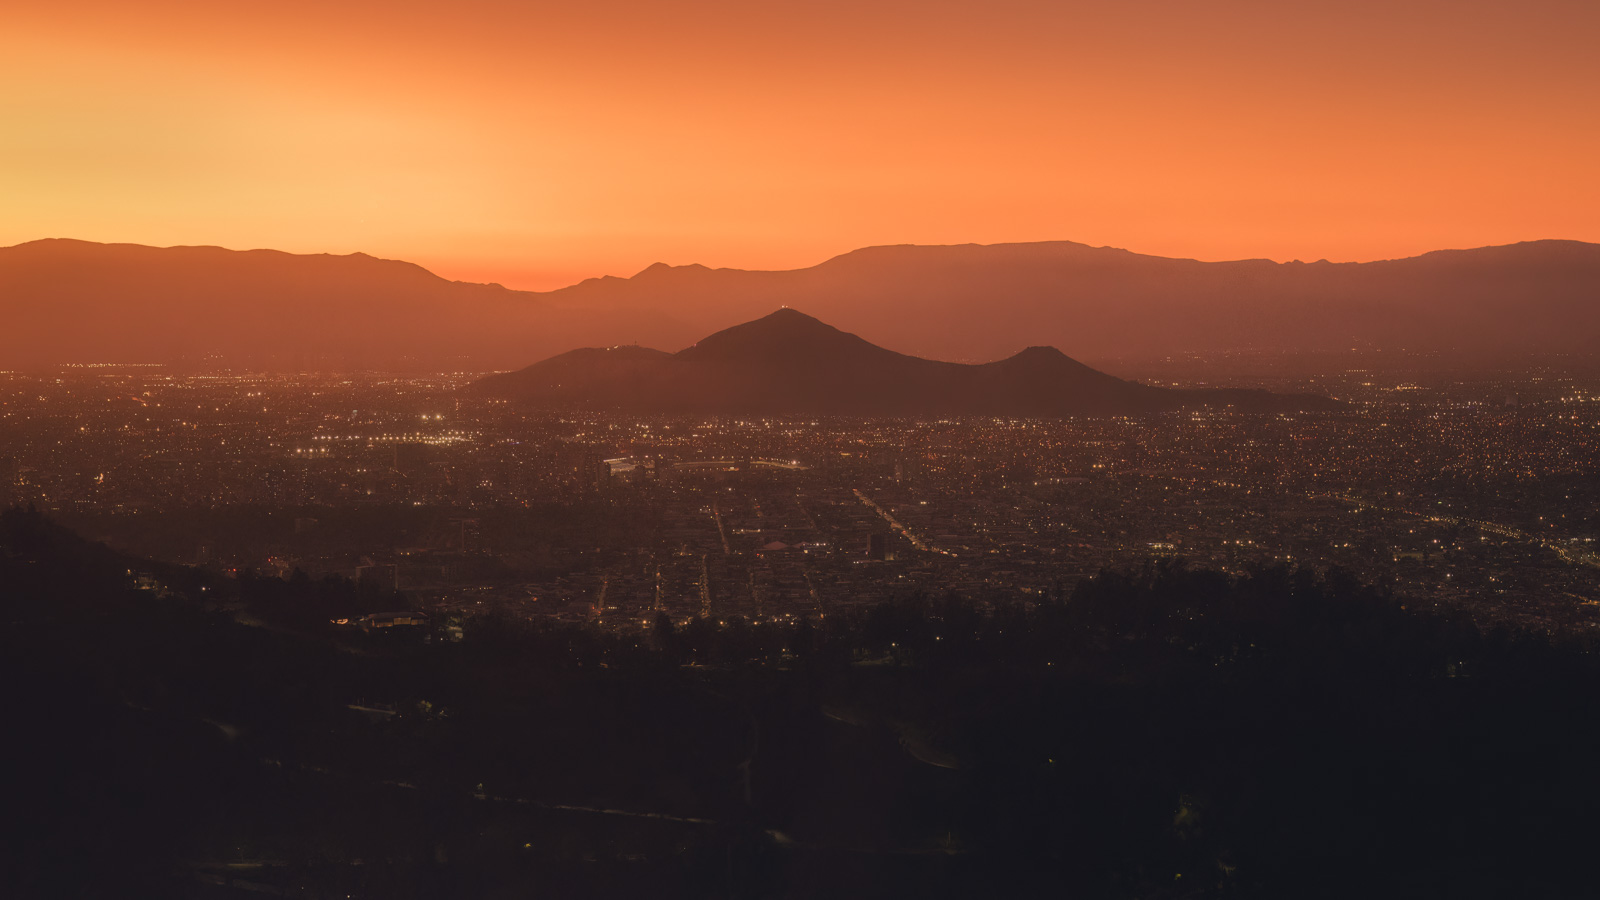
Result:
pixel 535 144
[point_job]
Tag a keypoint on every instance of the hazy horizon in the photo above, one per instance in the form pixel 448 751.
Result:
pixel 691 264
pixel 532 144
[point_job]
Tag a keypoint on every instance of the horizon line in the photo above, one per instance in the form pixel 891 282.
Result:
pixel 869 247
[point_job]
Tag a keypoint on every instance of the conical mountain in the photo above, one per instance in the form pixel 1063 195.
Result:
pixel 788 336
pixel 788 363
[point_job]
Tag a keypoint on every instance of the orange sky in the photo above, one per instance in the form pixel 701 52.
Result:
pixel 535 144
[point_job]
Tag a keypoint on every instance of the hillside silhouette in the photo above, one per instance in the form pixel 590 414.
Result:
pixel 974 301
pixel 1161 732
pixel 81 302
pixel 790 363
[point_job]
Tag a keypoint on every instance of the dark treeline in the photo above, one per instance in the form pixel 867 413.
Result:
pixel 1164 732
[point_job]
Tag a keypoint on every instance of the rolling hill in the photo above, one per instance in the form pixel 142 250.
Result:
pixel 788 363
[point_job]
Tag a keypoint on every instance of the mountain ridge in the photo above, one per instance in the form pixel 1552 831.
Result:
pixel 978 301
pixel 72 301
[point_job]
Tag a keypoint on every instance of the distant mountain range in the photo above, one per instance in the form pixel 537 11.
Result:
pixel 78 302
pixel 977 302
pixel 789 363
pixel 75 302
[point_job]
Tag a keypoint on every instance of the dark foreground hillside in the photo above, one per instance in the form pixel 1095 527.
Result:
pixel 1163 733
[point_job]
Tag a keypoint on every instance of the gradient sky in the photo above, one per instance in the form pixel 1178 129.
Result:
pixel 537 143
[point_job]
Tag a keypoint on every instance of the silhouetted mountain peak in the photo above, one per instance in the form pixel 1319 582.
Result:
pixel 787 335
pixel 659 269
pixel 789 318
pixel 1047 362
pixel 788 362
pixel 1041 353
pixel 1033 252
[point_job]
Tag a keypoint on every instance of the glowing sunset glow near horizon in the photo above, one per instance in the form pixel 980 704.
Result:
pixel 536 144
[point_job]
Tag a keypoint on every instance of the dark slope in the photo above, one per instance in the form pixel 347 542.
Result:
pixel 789 363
